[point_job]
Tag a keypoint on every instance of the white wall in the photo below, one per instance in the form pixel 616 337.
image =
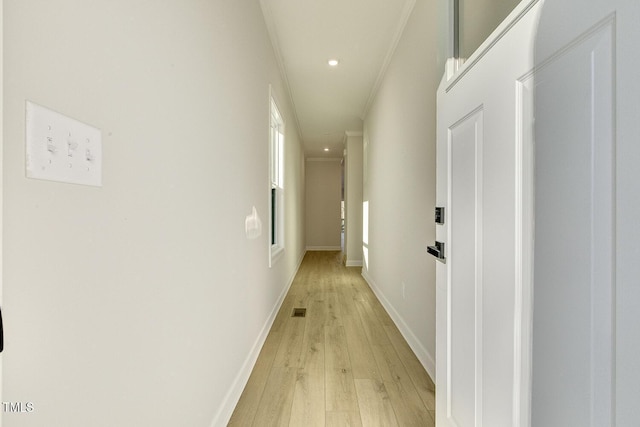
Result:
pixel 353 198
pixel 399 188
pixel 142 302
pixel 323 197
pixel 444 33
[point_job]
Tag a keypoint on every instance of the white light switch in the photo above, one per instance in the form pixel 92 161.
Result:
pixel 62 149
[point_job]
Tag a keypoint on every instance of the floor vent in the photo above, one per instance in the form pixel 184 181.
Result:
pixel 299 312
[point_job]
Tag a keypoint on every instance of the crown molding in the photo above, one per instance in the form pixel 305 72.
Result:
pixel 323 159
pixel 351 134
pixel 404 19
pixel 273 36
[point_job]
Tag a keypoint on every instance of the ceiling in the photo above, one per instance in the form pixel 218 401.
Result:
pixel 361 34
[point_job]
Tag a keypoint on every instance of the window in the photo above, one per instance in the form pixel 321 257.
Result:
pixel 276 173
pixel 475 20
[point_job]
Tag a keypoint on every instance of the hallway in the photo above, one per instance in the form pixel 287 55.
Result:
pixel 345 363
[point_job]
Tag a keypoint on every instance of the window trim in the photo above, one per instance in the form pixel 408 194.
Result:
pixel 276 180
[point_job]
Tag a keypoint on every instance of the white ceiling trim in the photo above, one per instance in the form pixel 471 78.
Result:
pixel 323 159
pixel 353 133
pixel 273 36
pixel 404 19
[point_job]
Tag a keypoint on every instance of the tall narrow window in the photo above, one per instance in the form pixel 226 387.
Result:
pixel 276 168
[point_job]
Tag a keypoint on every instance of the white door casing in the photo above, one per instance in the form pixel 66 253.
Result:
pixel 483 180
pixel 586 324
pixel 1 175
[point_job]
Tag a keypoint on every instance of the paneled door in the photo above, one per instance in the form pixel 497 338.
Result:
pixel 586 323
pixel 484 178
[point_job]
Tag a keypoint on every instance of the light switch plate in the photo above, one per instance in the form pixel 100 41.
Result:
pixel 62 149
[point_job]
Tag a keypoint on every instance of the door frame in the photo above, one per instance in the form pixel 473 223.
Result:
pixel 1 174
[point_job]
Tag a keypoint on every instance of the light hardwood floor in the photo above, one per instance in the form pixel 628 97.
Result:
pixel 344 364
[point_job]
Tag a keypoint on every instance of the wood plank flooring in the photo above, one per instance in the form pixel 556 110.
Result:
pixel 344 364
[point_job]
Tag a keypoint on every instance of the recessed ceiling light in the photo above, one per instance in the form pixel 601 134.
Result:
pixel 333 62
pixel 326 149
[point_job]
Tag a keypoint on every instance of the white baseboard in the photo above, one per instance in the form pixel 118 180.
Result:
pixel 426 359
pixel 324 248
pixel 233 396
pixel 354 263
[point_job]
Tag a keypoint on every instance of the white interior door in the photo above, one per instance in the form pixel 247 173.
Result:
pixel 586 329
pixel 483 181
